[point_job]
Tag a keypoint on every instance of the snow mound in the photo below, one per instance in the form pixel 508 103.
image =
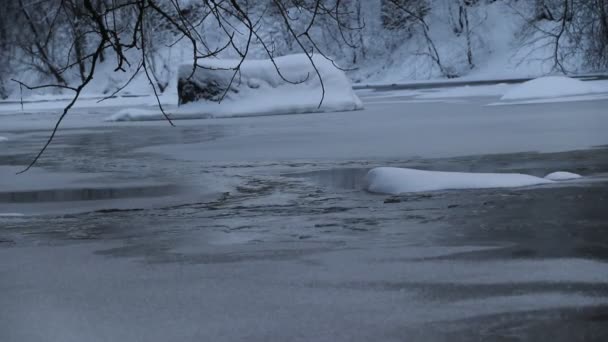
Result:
pixel 561 175
pixel 3 139
pixel 392 180
pixel 257 90
pixel 550 86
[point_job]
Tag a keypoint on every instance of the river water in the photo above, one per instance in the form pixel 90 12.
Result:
pixel 259 229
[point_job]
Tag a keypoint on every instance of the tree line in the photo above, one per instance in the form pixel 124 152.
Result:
pixel 58 42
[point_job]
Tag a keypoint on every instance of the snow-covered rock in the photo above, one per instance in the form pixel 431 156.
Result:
pixel 561 175
pixel 392 180
pixel 550 86
pixel 257 90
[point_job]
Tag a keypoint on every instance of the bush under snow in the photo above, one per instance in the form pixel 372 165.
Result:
pixel 392 180
pixel 551 86
pixel 257 90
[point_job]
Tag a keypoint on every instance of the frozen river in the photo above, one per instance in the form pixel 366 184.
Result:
pixel 258 229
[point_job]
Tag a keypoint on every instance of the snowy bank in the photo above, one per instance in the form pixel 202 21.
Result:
pixel 391 180
pixel 257 90
pixel 468 91
pixel 551 86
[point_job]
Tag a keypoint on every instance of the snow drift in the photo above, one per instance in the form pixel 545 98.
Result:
pixel 257 90
pixel 392 180
pixel 561 175
pixel 551 86
pixel 2 139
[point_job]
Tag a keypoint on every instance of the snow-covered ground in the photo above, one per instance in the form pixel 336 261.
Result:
pixel 552 86
pixel 499 49
pixel 541 90
pixel 55 103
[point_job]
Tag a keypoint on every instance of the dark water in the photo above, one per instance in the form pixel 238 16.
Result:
pixel 87 194
pixel 540 222
pixel 273 208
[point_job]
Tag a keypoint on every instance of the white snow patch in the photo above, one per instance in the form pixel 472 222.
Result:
pixel 260 90
pixel 575 98
pixel 51 103
pixel 2 139
pixel 561 175
pixel 392 180
pixel 550 86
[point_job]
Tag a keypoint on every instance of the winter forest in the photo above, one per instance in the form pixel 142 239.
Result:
pixel 65 42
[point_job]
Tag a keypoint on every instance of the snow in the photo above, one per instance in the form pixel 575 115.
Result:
pixel 551 86
pixel 383 55
pixel 392 180
pixel 561 175
pixel 499 47
pixel 548 100
pixel 2 139
pixel 260 90
pixel 446 91
pixel 554 89
pixel 40 104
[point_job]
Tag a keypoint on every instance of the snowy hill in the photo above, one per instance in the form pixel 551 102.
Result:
pixel 375 41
